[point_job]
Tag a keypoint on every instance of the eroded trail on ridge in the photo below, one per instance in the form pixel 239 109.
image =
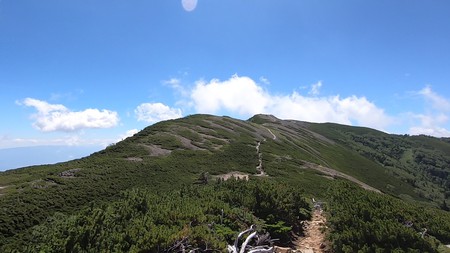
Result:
pixel 314 239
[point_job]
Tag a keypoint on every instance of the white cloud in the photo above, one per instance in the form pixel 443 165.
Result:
pixel 176 85
pixel 315 88
pixel 66 140
pixel 154 112
pixel 364 112
pixel 429 124
pixel 438 102
pixel 238 94
pixel 435 120
pixel 264 80
pixel 242 96
pixel 56 117
pixel 129 133
pixel 433 131
pixel 173 82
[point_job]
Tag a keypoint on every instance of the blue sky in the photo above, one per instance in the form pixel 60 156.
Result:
pixel 91 72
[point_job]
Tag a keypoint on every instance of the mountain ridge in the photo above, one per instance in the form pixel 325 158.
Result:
pixel 195 149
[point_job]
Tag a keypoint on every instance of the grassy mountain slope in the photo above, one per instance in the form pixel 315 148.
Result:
pixel 307 142
pixel 421 161
pixel 169 155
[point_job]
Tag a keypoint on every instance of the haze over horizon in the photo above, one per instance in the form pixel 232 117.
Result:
pixel 90 73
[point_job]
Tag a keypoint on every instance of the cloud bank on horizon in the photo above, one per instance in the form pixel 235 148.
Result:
pixel 243 97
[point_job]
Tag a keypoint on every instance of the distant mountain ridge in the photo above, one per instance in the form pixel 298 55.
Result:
pixel 199 149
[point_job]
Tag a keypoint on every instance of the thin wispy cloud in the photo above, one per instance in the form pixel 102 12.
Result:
pixel 177 86
pixel 264 80
pixel 315 88
pixel 65 140
pixel 437 102
pixel 173 82
pixel 68 96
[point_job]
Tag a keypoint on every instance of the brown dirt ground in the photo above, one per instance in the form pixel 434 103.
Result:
pixel 233 174
pixel 314 239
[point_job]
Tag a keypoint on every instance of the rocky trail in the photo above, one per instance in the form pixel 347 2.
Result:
pixel 259 169
pixel 314 239
pixel 274 137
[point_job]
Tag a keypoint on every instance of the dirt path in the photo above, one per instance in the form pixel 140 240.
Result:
pixel 313 241
pixel 259 168
pixel 333 173
pixel 274 137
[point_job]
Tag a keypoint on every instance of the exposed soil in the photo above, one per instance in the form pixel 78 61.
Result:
pixel 233 174
pixel 206 136
pixel 274 137
pixel 187 143
pixel 314 239
pixel 259 168
pixel 69 173
pixel 334 173
pixel 215 125
pixel 156 150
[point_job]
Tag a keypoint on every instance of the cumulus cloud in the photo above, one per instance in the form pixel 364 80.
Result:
pixel 430 125
pixel 434 120
pixel 129 133
pixel 245 97
pixel 434 131
pixel 57 117
pixel 238 94
pixel 154 112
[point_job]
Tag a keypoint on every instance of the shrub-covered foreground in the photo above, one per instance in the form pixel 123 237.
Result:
pixel 364 221
pixel 209 216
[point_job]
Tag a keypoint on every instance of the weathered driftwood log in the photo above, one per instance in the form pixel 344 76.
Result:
pixel 263 243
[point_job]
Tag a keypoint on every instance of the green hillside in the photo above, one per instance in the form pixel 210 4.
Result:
pixel 421 161
pixel 166 184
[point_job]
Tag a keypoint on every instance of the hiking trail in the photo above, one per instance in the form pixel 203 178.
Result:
pixel 313 241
